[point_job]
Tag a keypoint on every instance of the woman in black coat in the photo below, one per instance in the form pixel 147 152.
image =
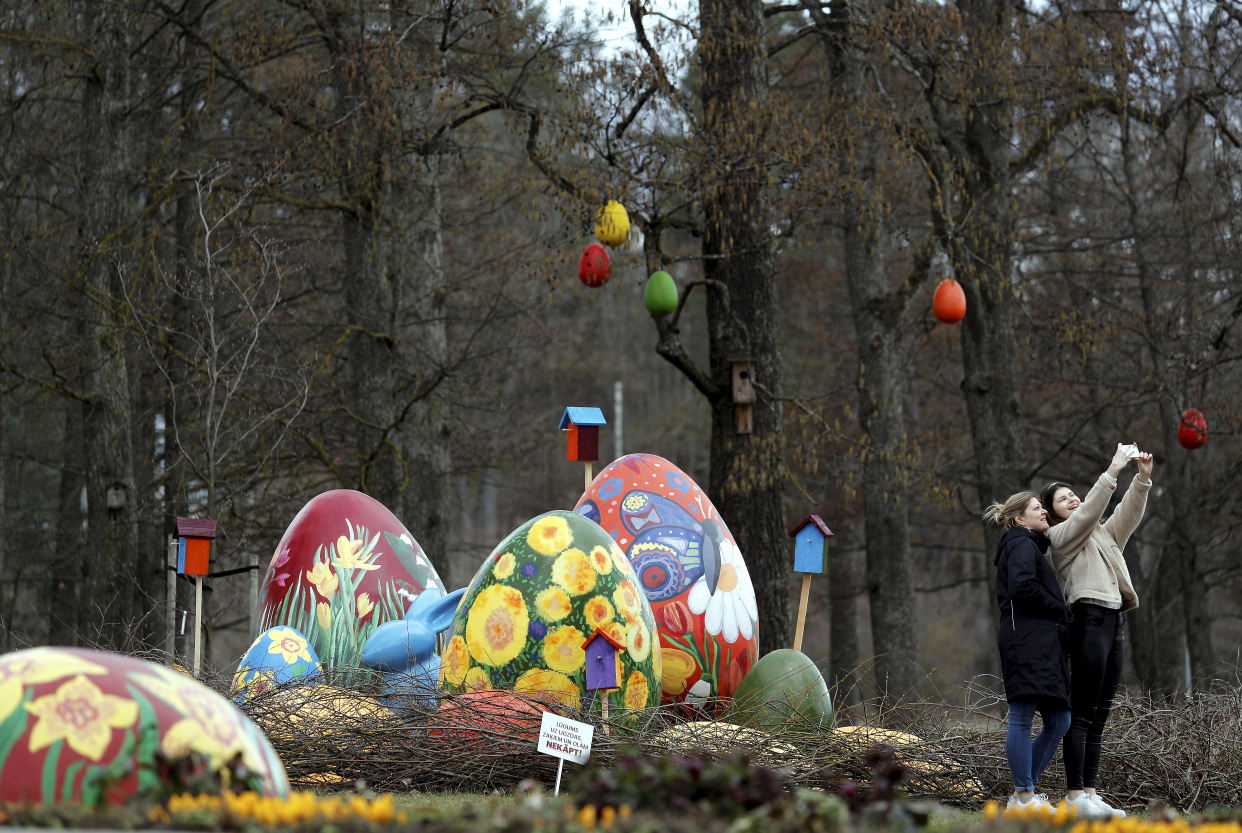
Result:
pixel 1034 631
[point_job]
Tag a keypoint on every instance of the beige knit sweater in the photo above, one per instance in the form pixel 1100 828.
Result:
pixel 1087 554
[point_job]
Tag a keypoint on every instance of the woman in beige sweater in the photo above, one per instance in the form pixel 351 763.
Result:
pixel 1086 553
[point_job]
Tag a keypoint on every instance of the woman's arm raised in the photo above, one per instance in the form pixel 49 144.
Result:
pixel 1129 514
pixel 1069 535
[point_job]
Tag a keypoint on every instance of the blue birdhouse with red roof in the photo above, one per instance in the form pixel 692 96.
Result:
pixel 811 545
pixel 601 661
pixel 583 425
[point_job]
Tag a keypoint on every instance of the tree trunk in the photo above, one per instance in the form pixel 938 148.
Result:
pixel 107 407
pixel 846 652
pixel 66 577
pixel 747 474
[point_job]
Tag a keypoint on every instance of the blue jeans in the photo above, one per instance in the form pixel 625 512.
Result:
pixel 1028 759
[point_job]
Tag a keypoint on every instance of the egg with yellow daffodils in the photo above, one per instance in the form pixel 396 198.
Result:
pixel 612 224
pixel 532 605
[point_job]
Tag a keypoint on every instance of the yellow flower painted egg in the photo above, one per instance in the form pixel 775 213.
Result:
pixel 534 602
pixel 87 727
pixel 689 569
pixel 344 566
pixel 278 657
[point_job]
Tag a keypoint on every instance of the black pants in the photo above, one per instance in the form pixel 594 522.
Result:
pixel 1097 645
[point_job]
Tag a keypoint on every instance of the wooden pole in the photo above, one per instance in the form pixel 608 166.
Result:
pixel 198 623
pixel 607 696
pixel 170 608
pixel 589 476
pixel 806 596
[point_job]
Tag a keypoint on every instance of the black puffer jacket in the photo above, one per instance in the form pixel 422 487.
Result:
pixel 1034 627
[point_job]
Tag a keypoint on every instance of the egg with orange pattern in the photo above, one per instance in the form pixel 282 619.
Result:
pixel 90 727
pixel 689 567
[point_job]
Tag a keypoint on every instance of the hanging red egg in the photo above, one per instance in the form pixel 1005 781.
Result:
pixel 594 269
pixel 949 302
pixel 1192 431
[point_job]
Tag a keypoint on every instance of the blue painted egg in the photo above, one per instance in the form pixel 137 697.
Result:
pixel 278 657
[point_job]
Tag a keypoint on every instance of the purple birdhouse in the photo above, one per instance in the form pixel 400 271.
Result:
pixel 601 660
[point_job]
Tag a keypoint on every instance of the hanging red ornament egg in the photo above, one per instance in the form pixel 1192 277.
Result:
pixel 594 269
pixel 949 302
pixel 1192 430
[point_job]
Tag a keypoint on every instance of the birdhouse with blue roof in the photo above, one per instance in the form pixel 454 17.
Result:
pixel 583 425
pixel 811 547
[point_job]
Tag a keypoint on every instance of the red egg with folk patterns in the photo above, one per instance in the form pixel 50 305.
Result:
pixel 344 566
pixel 690 568
pixel 90 727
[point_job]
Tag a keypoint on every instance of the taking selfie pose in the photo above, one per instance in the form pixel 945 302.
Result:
pixel 1032 638
pixel 1087 556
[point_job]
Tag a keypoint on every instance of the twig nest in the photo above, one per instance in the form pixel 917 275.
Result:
pixel 612 224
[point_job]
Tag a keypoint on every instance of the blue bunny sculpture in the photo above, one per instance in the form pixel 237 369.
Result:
pixel 405 649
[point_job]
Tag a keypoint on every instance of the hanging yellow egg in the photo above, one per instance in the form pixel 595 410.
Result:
pixel 612 224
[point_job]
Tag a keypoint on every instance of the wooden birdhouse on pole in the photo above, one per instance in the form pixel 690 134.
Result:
pixel 193 554
pixel 583 425
pixel 601 664
pixel 810 556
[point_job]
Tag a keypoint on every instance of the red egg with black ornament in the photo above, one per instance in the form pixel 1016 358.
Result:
pixel 1192 431
pixel 594 268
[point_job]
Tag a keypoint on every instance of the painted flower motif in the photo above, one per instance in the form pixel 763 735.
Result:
pixel 34 666
pixel 348 555
pixel 476 680
pixel 636 691
pixel 619 560
pixel 627 600
pixel 611 489
pixel 260 682
pixel 574 572
pixel 553 604
pixel 562 650
pixel 504 566
pixel 281 557
pixel 676 481
pixel 729 608
pixel 529 569
pixel 616 631
pixel 638 641
pixel 550 685
pixel 364 605
pixel 676 616
pixel 496 625
pixel 550 535
pixel 209 724
pixel 82 716
pixel 323 613
pixel 537 629
pixel 679 667
pixel 323 578
pixel 597 611
pixel 289 644
pixel 456 661
pixel 601 560
pixel 281 580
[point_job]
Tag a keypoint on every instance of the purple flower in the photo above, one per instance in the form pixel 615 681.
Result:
pixel 529 569
pixel 538 630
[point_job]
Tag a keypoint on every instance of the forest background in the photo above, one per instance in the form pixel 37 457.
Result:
pixel 254 250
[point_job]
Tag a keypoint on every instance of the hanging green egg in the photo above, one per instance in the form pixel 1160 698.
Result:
pixel 661 294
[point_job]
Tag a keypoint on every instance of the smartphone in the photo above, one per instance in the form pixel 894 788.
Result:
pixel 1132 451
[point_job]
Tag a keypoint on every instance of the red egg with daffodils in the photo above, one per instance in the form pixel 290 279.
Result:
pixel 689 567
pixel 90 727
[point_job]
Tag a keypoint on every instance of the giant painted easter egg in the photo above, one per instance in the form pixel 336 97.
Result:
pixel 344 566
pixel 690 569
pixel 278 657
pixel 84 726
pixel 532 604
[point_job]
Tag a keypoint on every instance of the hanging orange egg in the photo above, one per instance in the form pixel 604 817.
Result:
pixel 1192 431
pixel 594 269
pixel 949 302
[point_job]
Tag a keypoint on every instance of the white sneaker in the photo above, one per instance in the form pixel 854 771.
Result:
pixel 1087 809
pixel 1104 808
pixel 1037 800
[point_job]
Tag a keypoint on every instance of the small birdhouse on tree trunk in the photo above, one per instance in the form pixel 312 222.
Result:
pixel 744 395
pixel 583 425
pixel 194 549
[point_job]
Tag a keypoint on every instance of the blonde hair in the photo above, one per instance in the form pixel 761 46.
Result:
pixel 1006 514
